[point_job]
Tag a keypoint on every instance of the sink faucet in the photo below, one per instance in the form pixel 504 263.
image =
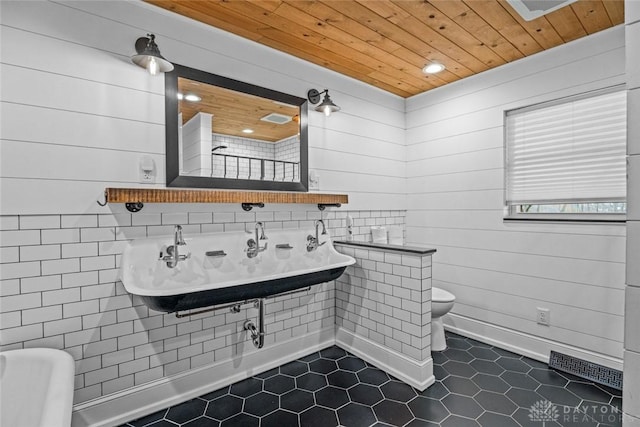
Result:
pixel 173 256
pixel 254 247
pixel 314 242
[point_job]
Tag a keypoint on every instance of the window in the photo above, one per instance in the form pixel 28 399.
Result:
pixel 566 159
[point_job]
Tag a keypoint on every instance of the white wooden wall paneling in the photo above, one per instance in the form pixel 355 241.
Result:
pixel 580 340
pixel 48 161
pixel 354 163
pixel 487 179
pixel 350 141
pixel 75 60
pixel 74 94
pixel 51 126
pixel 579 295
pixel 489 158
pixel 573 246
pixel 478 140
pixel 610 326
pixel 597 273
pixel 633 196
pixel 346 121
pixel 469 200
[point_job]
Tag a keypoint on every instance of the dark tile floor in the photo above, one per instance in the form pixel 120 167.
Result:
pixel 477 385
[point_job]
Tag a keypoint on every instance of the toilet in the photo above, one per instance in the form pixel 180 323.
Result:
pixel 441 303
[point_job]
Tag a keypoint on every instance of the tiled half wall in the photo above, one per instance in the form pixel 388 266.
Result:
pixel 383 311
pixel 59 288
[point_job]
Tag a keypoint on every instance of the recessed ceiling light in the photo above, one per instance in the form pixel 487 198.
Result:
pixel 180 96
pixel 433 67
pixel 247 130
pixel 192 97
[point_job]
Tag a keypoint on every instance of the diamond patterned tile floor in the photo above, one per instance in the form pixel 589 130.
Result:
pixel 476 385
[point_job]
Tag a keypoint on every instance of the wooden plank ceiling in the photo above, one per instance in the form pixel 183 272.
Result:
pixel 235 111
pixel 386 43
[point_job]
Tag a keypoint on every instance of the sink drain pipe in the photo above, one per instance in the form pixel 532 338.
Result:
pixel 257 333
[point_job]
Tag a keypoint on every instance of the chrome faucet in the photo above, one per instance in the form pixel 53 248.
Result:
pixel 314 242
pixel 173 257
pixel 253 245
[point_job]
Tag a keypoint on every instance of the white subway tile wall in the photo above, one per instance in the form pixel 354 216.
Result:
pixel 386 297
pixel 59 288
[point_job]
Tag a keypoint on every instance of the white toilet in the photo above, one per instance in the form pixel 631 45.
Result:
pixel 441 303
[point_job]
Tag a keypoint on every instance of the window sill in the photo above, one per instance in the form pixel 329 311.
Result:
pixel 550 220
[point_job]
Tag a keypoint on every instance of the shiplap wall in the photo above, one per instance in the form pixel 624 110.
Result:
pixel 500 272
pixel 77 116
pixel 631 397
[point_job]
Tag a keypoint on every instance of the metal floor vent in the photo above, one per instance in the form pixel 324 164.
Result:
pixel 587 370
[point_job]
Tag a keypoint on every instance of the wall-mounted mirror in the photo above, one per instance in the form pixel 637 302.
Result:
pixel 224 133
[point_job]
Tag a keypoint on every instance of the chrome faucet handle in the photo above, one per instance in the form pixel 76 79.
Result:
pixel 254 249
pixel 179 240
pixel 312 243
pixel 260 225
pixel 324 228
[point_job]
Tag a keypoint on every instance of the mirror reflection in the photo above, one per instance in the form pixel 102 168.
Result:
pixel 222 133
pixel 234 135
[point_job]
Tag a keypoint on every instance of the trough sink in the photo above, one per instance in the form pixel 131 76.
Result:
pixel 203 280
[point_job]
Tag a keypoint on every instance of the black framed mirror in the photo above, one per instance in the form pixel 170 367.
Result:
pixel 224 133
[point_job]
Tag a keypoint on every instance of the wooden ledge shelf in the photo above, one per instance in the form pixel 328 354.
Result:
pixel 166 195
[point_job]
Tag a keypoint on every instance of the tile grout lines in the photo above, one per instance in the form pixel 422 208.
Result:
pixel 477 385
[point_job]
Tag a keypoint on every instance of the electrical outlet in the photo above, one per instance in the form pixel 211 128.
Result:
pixel 146 169
pixel 314 180
pixel 544 316
pixel 146 176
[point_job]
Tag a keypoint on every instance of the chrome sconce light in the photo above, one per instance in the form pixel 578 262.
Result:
pixel 326 106
pixel 148 56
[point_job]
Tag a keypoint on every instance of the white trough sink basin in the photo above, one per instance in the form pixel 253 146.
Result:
pixel 36 388
pixel 203 280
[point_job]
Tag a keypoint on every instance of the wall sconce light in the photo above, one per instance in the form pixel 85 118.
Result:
pixel 326 106
pixel 149 56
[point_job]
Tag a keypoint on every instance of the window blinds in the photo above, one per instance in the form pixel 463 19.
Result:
pixel 568 152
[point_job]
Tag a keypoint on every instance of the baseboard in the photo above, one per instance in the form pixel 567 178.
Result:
pixel 414 373
pixel 527 345
pixel 136 402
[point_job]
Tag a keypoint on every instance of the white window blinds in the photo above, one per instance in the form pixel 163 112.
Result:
pixel 568 151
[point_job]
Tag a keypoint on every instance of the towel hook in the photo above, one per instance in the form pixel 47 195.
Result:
pixel 106 200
